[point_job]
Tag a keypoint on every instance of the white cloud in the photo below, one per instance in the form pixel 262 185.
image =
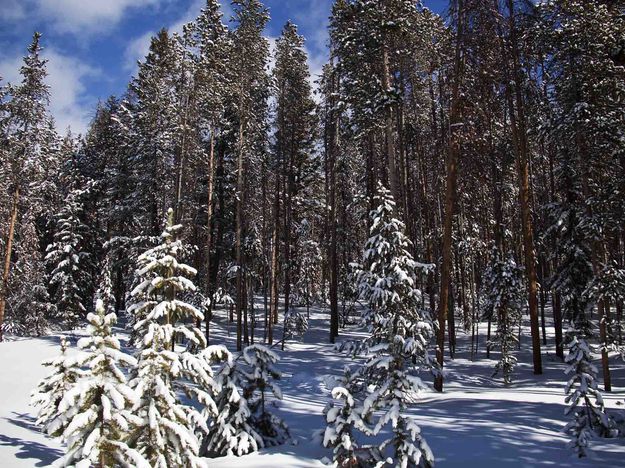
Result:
pixel 70 104
pixel 136 50
pixel 138 47
pixel 87 16
pixel 12 10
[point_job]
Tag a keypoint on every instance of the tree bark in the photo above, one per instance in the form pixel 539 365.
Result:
pixel 209 233
pixel 4 287
pixel 518 125
pixel 239 235
pixel 450 199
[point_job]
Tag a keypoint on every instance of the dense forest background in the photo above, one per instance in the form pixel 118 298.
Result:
pixel 498 131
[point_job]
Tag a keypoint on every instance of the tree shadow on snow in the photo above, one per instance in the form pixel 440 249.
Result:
pixel 508 433
pixel 28 449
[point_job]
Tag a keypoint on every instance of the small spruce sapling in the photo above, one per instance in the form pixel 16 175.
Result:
pixel 230 431
pixel 504 299
pixel 295 324
pixel 52 388
pixel 166 433
pixel 95 413
pixel 400 331
pixel 590 420
pixel 261 377
pixel 344 416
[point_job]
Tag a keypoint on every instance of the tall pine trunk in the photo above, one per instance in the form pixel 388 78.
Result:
pixel 4 287
pixel 519 136
pixel 453 156
pixel 238 240
pixel 208 288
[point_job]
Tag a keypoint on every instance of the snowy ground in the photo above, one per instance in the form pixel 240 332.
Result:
pixel 476 422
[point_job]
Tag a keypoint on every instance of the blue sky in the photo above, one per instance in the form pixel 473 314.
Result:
pixel 92 45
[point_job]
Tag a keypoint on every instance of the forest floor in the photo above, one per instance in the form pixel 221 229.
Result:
pixel 476 422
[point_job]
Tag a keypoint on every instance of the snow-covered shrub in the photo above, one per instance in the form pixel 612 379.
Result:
pixel 260 378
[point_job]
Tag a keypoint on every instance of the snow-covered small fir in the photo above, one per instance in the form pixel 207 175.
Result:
pixel 295 324
pixel 590 419
pixel 398 344
pixel 65 372
pixel 261 376
pixel 344 418
pixel 95 413
pixel 504 299
pixel 165 432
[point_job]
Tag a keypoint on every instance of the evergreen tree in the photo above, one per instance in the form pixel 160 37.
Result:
pixel 504 299
pixel 400 332
pixel 342 422
pixel 51 389
pixel 151 104
pixel 28 132
pixel 164 436
pixel 250 54
pixel 213 87
pixel 94 414
pixel 30 307
pixel 69 262
pixel 260 378
pixel 230 431
pixel 104 292
pixel 294 164
pixel 591 419
pixel 309 267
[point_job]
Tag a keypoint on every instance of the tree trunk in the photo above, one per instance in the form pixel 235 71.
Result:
pixel 4 287
pixel 275 246
pixel 518 125
pixel 208 289
pixel 450 200
pixel 239 235
pixel 388 129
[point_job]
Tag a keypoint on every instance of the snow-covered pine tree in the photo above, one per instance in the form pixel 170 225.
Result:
pixel 165 435
pixel 95 415
pixel 571 280
pixel 211 88
pixel 260 378
pixel 52 388
pixel 295 324
pixel 591 419
pixel 229 432
pixel 104 292
pixel 343 418
pixel 400 332
pixel 27 135
pixel 68 261
pixel 504 298
pixel 29 307
pixel 152 137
